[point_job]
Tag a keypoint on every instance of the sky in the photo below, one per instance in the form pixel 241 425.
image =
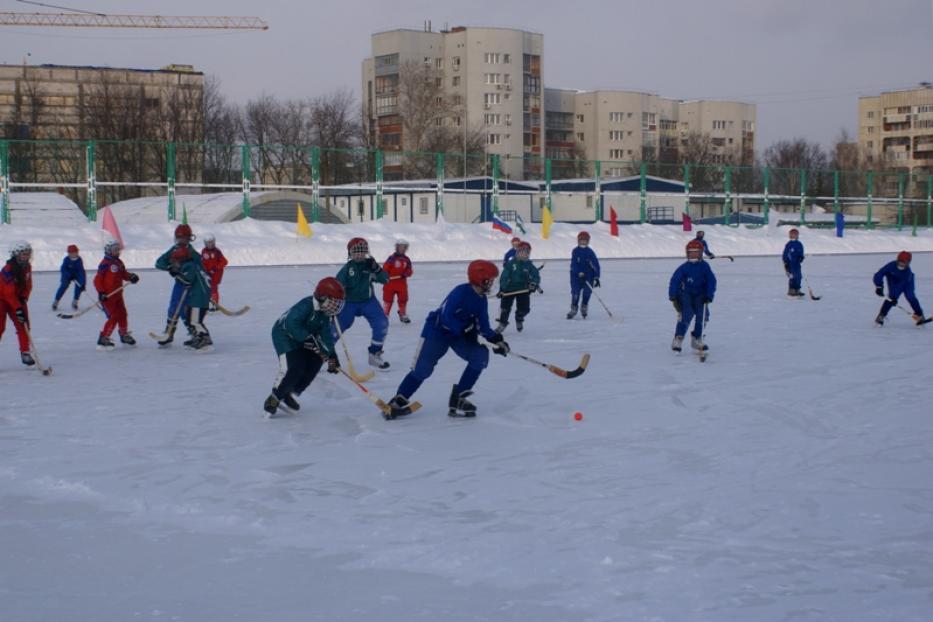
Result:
pixel 803 62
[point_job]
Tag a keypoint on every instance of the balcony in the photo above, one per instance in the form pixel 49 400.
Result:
pixel 897 118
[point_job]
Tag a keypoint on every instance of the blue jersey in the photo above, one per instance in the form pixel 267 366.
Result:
pixel 899 281
pixel 706 250
pixel 509 254
pixel 793 252
pixel 73 270
pixel 692 278
pixel 462 312
pixel 584 260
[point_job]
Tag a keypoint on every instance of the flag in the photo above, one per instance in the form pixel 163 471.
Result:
pixel 109 224
pixel 520 223
pixel 688 223
pixel 501 225
pixel 546 222
pixel 841 225
pixel 302 227
pixel 613 222
pixel 184 214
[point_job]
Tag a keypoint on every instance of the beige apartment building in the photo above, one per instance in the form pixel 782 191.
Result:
pixel 895 132
pixel 492 78
pixel 619 127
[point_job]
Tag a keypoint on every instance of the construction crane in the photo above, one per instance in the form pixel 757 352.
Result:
pixel 99 20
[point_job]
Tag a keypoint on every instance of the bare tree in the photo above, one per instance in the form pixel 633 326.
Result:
pixel 334 128
pixel 786 158
pixel 222 126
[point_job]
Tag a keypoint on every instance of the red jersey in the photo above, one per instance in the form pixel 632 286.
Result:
pixel 214 263
pixel 15 284
pixel 110 275
pixel 397 266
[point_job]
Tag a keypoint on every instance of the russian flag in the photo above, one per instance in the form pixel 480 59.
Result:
pixel 501 225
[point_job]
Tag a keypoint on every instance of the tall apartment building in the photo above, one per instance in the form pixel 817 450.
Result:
pixel 618 127
pixel 895 131
pixel 492 75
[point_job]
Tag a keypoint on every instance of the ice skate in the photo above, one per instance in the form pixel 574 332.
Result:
pixel 27 359
pixel 697 344
pixel 404 319
pixel 572 313
pixel 459 405
pixel 583 311
pixel 519 325
pixel 400 407
pixel 879 320
pixel 375 360
pixel 271 405
pixel 128 339
pixel 105 343
pixel 678 344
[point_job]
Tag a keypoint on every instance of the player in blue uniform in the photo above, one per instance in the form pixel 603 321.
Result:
pixel 692 287
pixel 793 256
pixel 900 280
pixel 584 268
pixel 456 325
pixel 509 254
pixel 72 270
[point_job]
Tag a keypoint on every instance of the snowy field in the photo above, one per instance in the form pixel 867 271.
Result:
pixel 787 478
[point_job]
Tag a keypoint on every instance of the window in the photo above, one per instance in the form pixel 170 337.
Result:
pixel 391 140
pixel 580 136
pixel 615 117
pixel 491 118
pixel 870 129
pixel 922 109
pixel 870 144
pixel 747 126
pixel 615 134
pixel 871 114
pixel 455 63
pixel 455 81
pixel 423 205
pixel 386 105
pixel 438 63
pixel 491 98
pixel 580 118
pixel 506 58
pixel 615 172
pixel 492 58
pixel 508 119
pixel 387 60
pixel 403 201
pixel 493 139
pixel 616 154
pixel 719 125
pixel 493 78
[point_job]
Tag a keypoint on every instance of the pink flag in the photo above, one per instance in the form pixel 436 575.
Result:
pixel 613 222
pixel 109 224
pixel 688 224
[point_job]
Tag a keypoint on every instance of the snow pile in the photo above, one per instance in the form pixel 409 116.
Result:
pixel 45 209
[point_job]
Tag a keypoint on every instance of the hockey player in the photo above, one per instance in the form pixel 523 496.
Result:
pixel 510 254
pixel 214 263
pixel 186 268
pixel 692 287
pixel 584 268
pixel 302 340
pixel 793 256
pixel 72 270
pixel 111 274
pixel 398 267
pixel 15 287
pixel 900 280
pixel 457 325
pixel 701 238
pixel 183 239
pixel 519 280
pixel 357 277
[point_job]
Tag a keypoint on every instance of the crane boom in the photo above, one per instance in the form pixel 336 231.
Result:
pixel 86 20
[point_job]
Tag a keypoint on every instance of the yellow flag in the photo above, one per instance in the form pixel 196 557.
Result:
pixel 303 227
pixel 546 222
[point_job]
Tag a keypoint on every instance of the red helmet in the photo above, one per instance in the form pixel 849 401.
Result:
pixel 482 274
pixel 358 246
pixel 583 235
pixel 72 248
pixel 904 257
pixel 694 249
pixel 184 231
pixel 524 249
pixel 329 295
pixel 793 232
pixel 516 240
pixel 181 254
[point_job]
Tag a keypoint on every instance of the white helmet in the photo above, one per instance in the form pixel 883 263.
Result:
pixel 208 237
pixel 401 242
pixel 110 245
pixel 20 246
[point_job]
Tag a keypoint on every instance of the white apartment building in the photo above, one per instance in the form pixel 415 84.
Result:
pixel 493 74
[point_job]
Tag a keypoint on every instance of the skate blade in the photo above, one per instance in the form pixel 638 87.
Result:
pixel 106 348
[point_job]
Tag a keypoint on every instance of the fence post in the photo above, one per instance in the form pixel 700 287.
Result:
pixel 803 195
pixel 870 187
pixel 439 172
pixel 930 200
pixel 900 201
pixel 767 200
pixel 91 167
pixel 835 192
pixel 495 184
pixel 547 185
pixel 315 184
pixel 244 153
pixel 687 190
pixel 379 174
pixel 598 190
pixel 4 182
pixel 643 192
pixel 170 178
pixel 727 201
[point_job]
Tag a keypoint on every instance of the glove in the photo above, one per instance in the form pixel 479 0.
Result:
pixel 101 296
pixel 182 280
pixel 707 300
pixel 879 291
pixel 532 288
pixel 134 278
pixel 801 259
pixel 540 291
pixel 173 271
pixel 499 346
pixel 312 344
pixel 712 256
pixel 499 294
pixel 595 281
pixel 21 316
pixel 373 265
pixel 786 267
pixel 676 304
pixel 333 364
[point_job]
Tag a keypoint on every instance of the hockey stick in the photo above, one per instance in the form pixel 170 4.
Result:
pixel 913 316
pixel 71 316
pixel 810 290
pixel 46 371
pixel 705 320
pixel 563 373
pixel 346 353
pixel 593 290
pixel 729 257
pixel 165 337
pixel 227 311
pixel 380 403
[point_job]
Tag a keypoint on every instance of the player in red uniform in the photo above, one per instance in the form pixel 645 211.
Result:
pixel 398 267
pixel 214 263
pixel 15 287
pixel 111 273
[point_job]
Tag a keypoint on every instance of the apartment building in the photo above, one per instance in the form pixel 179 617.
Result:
pixel 492 78
pixel 895 132
pixel 619 127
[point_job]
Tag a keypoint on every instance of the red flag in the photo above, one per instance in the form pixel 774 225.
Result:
pixel 109 225
pixel 613 222
pixel 688 224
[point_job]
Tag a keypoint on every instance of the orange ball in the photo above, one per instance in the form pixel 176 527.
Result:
pixel 578 416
